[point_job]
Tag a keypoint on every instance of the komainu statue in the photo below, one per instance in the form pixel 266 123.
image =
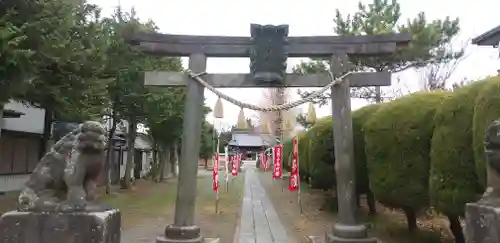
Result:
pixel 492 152
pixel 65 178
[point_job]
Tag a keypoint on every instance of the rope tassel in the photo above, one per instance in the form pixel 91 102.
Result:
pixel 311 114
pixel 218 109
pixel 242 123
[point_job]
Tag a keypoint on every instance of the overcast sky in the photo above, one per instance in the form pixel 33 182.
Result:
pixel 305 18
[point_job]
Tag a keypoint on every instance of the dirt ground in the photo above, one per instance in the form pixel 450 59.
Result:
pixel 389 225
pixel 148 207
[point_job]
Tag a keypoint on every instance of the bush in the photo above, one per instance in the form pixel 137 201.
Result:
pixel 287 154
pixel 398 139
pixel 453 181
pixel 359 118
pixel 321 154
pixel 486 109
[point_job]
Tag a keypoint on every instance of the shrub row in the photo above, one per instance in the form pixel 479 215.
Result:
pixel 419 151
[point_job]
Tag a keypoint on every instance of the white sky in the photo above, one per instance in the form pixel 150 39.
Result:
pixel 306 18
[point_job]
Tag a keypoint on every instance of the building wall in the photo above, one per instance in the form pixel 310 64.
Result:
pixel 31 121
pixel 147 159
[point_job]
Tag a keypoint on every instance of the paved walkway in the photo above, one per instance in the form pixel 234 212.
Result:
pixel 259 220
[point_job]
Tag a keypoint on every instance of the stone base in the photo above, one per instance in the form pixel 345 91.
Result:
pixel 40 227
pixel 333 239
pixel 162 239
pixel 184 234
pixel 482 223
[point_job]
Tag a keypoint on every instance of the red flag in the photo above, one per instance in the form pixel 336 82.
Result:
pixel 215 173
pixel 268 160
pixel 294 172
pixel 278 159
pixel 234 161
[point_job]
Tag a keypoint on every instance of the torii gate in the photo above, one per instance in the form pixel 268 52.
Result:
pixel 267 71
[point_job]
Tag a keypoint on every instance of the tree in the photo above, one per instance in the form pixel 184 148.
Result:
pixel 302 120
pixel 126 64
pixel 14 60
pixel 207 145
pixel 63 82
pixel 431 42
pixel 165 111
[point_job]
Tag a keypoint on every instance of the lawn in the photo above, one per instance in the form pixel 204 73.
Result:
pixel 317 217
pixel 148 207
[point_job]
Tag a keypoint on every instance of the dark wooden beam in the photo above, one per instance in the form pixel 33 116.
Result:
pixel 302 46
pixel 302 50
pixel 231 80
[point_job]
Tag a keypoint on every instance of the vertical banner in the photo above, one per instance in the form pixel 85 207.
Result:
pixel 234 160
pixel 226 163
pixel 226 168
pixel 294 171
pixel 215 173
pixel 268 160
pixel 278 159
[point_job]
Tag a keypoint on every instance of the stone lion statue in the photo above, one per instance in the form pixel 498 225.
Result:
pixel 65 178
pixel 492 152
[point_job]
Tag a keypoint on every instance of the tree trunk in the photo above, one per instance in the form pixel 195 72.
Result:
pixel 164 156
pixel 411 219
pixel 47 129
pixel 154 170
pixel 175 161
pixel 109 153
pixel 1 119
pixel 132 133
pixel 456 229
pixel 206 163
pixel 168 163
pixel 370 200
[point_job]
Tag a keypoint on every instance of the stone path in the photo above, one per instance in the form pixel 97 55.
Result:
pixel 259 221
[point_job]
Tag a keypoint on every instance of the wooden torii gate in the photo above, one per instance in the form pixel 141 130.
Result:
pixel 335 48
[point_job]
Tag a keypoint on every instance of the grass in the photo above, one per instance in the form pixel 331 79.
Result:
pixel 318 217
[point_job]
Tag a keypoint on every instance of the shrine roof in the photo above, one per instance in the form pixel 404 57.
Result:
pixel 489 38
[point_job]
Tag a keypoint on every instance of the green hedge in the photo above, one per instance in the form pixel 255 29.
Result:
pixel 486 109
pixel 359 118
pixel 321 155
pixel 398 139
pixel 453 181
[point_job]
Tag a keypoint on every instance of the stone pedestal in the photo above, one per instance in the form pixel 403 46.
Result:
pixel 77 227
pixel 482 223
pixel 184 234
pixel 333 239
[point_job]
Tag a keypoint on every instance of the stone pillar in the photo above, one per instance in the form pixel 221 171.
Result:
pixel 348 228
pixel 184 229
pixel 77 227
pixel 482 223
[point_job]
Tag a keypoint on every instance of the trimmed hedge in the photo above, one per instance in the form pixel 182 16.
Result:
pixel 486 109
pixel 453 181
pixel 321 154
pixel 398 139
pixel 359 118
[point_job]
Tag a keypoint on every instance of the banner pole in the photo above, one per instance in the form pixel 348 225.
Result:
pixel 299 201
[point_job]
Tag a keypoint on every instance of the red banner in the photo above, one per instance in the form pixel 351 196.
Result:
pixel 294 171
pixel 268 160
pixel 215 173
pixel 278 159
pixel 236 164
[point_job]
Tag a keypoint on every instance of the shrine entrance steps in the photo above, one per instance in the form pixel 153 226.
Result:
pixel 259 222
